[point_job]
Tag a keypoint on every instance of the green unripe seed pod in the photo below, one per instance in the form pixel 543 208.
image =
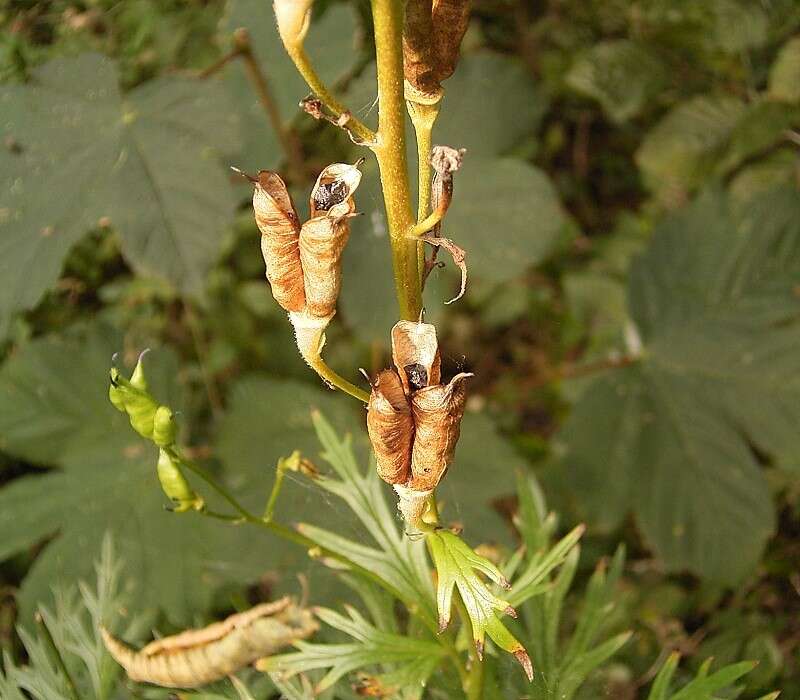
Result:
pixel 164 428
pixel 175 485
pixel 115 393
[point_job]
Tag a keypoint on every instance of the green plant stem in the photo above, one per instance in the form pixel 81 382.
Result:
pixel 56 655
pixel 423 117
pixel 357 128
pixel 390 150
pixel 323 370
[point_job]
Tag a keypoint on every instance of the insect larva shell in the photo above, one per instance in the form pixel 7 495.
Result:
pixel 415 352
pixel 437 412
pixel 280 239
pixel 390 427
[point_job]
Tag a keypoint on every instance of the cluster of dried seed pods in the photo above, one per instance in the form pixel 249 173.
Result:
pixel 413 419
pixel 304 261
pixel 200 656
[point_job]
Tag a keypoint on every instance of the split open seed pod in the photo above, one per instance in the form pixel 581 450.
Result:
pixel 280 239
pixel 324 236
pixel 437 412
pixel 391 427
pixel 415 352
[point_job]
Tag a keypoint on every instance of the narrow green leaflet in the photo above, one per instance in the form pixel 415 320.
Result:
pixel 331 45
pixel 54 411
pixel 715 301
pixel 145 162
pixel 623 76
pixel 405 663
pixel 704 686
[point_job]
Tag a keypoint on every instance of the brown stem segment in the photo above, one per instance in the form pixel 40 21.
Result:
pixel 390 151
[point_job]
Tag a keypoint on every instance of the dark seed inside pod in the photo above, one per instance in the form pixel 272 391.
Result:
pixel 417 376
pixel 329 194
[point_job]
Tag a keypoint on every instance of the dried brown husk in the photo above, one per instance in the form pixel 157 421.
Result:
pixel 390 427
pixel 415 352
pixel 324 236
pixel 280 239
pixel 432 37
pixel 437 412
pixel 197 657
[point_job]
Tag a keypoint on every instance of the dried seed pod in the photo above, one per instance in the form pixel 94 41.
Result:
pixel 324 236
pixel 197 657
pixel 390 427
pixel 294 18
pixel 437 412
pixel 431 39
pixel 280 239
pixel 415 352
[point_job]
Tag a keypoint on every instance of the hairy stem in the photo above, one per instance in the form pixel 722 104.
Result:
pixel 323 370
pixel 356 127
pixel 390 151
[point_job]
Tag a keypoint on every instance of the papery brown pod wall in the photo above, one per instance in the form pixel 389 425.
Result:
pixel 304 262
pixel 413 420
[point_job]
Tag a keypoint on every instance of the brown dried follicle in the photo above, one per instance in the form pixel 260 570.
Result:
pixel 431 39
pixel 201 656
pixel 413 419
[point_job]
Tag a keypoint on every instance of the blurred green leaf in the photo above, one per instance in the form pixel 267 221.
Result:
pixel 146 161
pixel 54 410
pixel 715 300
pixel 623 76
pixel 331 44
pixel 784 75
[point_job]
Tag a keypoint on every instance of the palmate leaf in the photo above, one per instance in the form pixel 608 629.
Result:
pixel 405 663
pixel 145 160
pixel 715 301
pixel 54 411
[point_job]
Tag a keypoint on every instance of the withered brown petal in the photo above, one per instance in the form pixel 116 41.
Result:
pixel 390 427
pixel 280 234
pixel 415 352
pixel 437 412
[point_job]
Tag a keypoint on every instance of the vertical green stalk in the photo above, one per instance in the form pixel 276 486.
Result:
pixel 390 151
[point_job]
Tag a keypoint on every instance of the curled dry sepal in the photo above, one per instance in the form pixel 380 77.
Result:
pixel 457 566
pixel 200 656
pixel 304 262
pixel 414 420
pixel 431 39
pixel 157 423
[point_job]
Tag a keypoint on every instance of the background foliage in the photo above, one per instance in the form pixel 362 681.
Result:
pixel 630 206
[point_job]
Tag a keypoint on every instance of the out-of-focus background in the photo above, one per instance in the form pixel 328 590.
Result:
pixel 630 206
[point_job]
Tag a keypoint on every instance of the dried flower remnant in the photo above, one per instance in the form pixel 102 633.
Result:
pixel 197 657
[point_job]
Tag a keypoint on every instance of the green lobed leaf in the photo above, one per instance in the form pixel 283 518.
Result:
pixel 146 161
pixel 715 302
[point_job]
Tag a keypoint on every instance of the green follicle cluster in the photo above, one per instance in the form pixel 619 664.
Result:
pixel 155 422
pixel 457 566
